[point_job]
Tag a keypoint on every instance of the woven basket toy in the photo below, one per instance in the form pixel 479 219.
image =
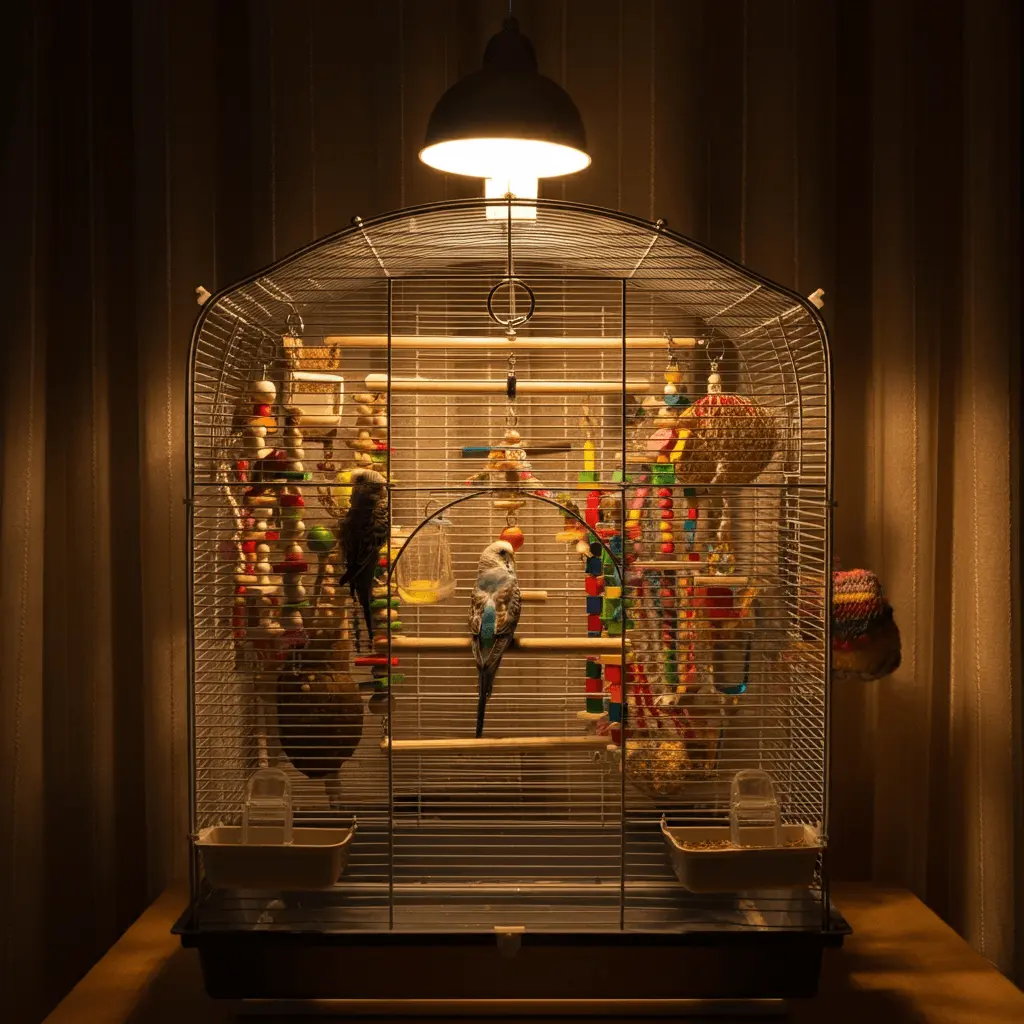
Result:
pixel 865 638
pixel 729 439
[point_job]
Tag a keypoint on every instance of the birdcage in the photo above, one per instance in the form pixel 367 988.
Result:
pixel 645 426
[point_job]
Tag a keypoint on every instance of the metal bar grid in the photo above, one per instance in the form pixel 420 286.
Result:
pixel 467 832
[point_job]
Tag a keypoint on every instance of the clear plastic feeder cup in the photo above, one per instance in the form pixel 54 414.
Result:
pixel 424 573
pixel 267 811
pixel 754 820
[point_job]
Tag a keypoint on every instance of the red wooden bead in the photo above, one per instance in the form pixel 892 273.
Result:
pixel 292 501
pixel 664 592
pixel 290 567
pixel 613 673
pixel 262 410
pixel 293 556
pixel 668 548
pixel 593 623
pixel 514 535
pixel 594 585
pixel 664 492
pixel 239 590
pixel 664 503
pixel 249 546
pixel 273 535
pixel 667 513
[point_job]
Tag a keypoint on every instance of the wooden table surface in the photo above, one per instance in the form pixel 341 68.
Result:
pixel 902 964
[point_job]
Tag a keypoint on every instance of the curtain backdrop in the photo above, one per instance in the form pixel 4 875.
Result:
pixel 869 149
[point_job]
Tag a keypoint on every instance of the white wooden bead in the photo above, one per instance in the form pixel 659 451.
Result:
pixel 265 390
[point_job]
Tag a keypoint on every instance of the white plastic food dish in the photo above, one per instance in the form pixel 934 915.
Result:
pixel 314 859
pixel 734 869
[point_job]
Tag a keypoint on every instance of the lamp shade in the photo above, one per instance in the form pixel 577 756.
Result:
pixel 506 120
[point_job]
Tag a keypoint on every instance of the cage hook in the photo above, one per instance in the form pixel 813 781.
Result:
pixel 714 358
pixel 294 323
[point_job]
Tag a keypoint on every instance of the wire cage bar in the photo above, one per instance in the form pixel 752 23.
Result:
pixel 558 381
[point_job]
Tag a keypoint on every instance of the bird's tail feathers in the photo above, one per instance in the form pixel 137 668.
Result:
pixel 364 600
pixel 485 682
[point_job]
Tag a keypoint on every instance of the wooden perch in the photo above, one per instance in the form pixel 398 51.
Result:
pixel 378 382
pixel 536 646
pixel 503 744
pixel 500 344
pixel 533 596
pixel 483 451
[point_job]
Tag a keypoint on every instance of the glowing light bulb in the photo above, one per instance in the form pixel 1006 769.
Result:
pixel 522 187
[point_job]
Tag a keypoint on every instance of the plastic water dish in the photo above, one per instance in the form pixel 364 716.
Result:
pixel 265 852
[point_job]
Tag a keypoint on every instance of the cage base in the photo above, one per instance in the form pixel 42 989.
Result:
pixel 384 967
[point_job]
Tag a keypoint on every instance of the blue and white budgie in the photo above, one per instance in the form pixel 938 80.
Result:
pixel 494 615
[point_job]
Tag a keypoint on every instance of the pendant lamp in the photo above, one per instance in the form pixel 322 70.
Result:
pixel 506 123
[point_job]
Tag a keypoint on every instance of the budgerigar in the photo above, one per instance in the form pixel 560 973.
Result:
pixel 493 617
pixel 363 532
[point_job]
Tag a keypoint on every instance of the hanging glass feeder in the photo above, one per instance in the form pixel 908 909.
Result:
pixel 424 572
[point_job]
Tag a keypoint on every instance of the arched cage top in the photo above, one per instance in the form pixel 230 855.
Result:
pixel 691 284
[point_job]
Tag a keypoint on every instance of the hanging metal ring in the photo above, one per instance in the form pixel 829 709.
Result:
pixel 510 518
pixel 512 321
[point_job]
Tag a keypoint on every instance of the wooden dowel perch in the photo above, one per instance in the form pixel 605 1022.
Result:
pixel 500 743
pixel 501 345
pixel 533 596
pixel 378 382
pixel 536 646
pixel 483 451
